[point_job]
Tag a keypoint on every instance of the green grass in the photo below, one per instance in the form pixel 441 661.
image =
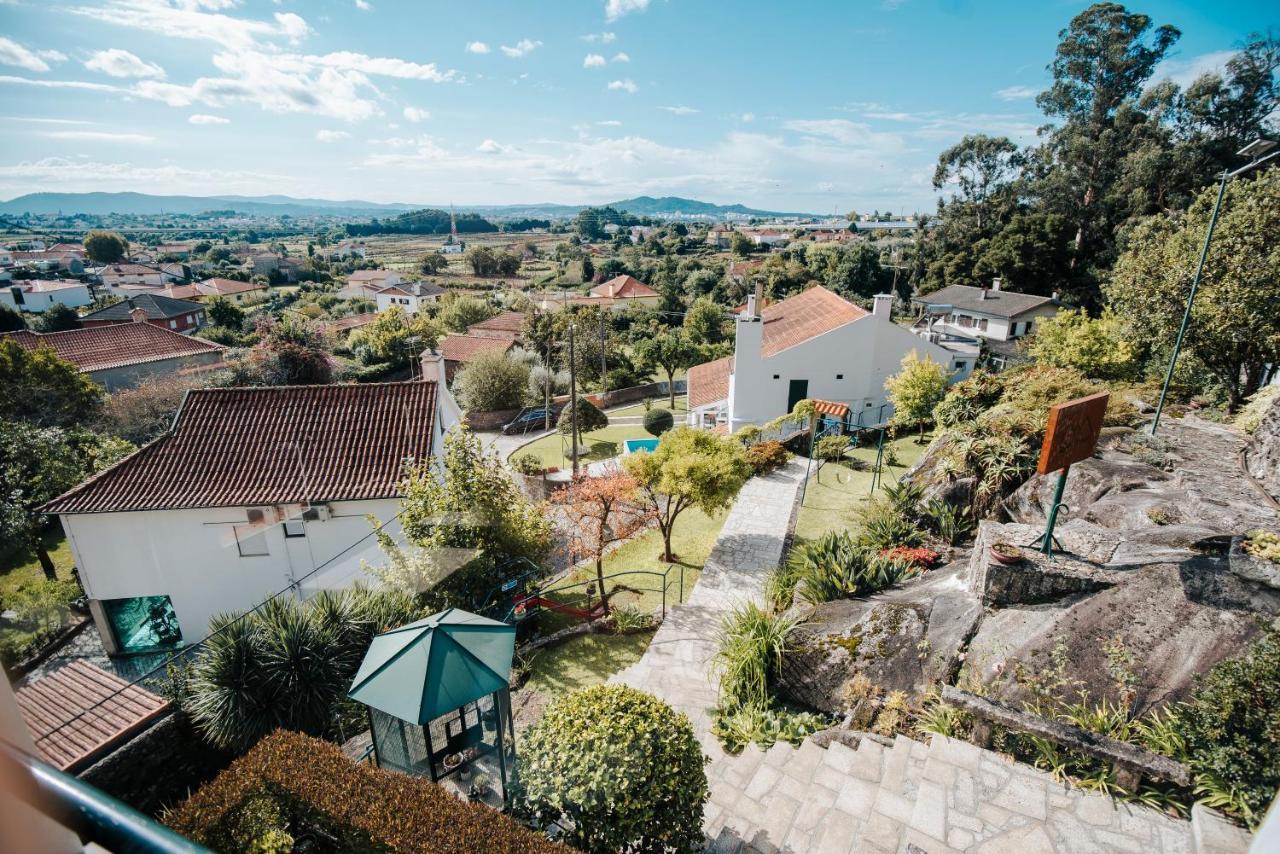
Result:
pixel 832 499
pixel 681 408
pixel 603 443
pixel 20 570
pixel 584 661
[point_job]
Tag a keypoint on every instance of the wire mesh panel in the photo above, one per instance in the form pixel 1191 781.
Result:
pixel 400 745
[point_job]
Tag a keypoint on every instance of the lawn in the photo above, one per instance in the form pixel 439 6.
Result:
pixel 681 408
pixel 834 497
pixel 20 571
pixel 584 661
pixel 604 443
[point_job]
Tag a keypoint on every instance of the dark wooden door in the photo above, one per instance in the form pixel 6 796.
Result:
pixel 798 391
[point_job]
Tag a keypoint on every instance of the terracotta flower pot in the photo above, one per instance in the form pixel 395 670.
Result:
pixel 1008 558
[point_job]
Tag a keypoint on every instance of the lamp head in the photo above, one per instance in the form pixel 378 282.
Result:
pixel 1258 148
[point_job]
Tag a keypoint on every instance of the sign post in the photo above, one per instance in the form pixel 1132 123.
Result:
pixel 1071 437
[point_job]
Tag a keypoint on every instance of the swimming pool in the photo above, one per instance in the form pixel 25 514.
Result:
pixel 630 446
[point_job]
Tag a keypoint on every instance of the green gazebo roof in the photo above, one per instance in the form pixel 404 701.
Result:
pixel 426 669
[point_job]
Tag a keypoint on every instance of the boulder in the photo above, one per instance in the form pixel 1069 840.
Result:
pixel 1263 454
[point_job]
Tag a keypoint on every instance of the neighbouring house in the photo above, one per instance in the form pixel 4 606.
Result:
pixel 719 237
pixel 252 491
pixel 374 278
pixel 453 246
pixel 627 288
pixel 179 315
pixel 264 263
pixel 120 355
pixel 47 260
pixel 290 269
pixel 459 350
pixel 358 291
pixel 233 289
pixel 770 239
pixel 640 233
pixel 115 276
pixel 344 326
pixel 38 295
pixel 344 250
pixel 964 319
pixel 411 297
pixel 814 344
pixel 508 325
pixel 76 249
pixel 176 250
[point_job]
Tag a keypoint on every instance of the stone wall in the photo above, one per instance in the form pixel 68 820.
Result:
pixel 1263 454
pixel 1037 579
pixel 158 767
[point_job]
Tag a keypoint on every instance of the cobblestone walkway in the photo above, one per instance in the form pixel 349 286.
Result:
pixel 899 796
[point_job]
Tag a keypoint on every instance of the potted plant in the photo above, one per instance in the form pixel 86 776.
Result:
pixel 481 785
pixel 1006 553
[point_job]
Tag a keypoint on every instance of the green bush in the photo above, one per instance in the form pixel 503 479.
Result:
pixel 590 418
pixel 527 464
pixel 1251 415
pixel 948 521
pixel 286 664
pixel 765 457
pixel 289 780
pixel 1231 727
pixel 619 769
pixel 831 448
pixel 968 399
pixel 492 381
pixel 658 421
pixel 836 566
pixel 749 657
pixel 886 526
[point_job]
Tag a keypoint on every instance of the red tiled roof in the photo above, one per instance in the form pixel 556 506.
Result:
pixel 828 407
pixel 244 447
pixel 370 275
pixel 113 709
pixel 623 287
pixel 508 324
pixel 224 287
pixel 100 348
pixel 806 315
pixel 353 321
pixel 128 270
pixel 464 348
pixel 709 382
pixel 182 292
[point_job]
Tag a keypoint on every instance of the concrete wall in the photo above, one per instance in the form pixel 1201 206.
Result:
pixel 847 365
pixel 42 301
pixel 193 557
pixel 131 375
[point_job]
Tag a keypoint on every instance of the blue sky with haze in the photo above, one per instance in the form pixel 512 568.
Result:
pixel 813 106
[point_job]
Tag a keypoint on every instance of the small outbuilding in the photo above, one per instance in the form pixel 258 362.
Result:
pixel 438 699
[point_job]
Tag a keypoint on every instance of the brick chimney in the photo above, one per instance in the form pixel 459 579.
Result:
pixel 138 315
pixel 882 306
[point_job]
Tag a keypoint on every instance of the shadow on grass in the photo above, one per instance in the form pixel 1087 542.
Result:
pixel 585 661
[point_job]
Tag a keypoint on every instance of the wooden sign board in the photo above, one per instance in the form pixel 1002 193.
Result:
pixel 1073 432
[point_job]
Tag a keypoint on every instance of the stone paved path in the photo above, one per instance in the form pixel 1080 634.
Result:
pixel 899 796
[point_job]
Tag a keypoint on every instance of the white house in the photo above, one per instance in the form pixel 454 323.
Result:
pixel 38 295
pixel 373 279
pixel 345 250
pixel 960 318
pixel 411 297
pixel 115 276
pixel 814 344
pixel 251 492
pixel 453 246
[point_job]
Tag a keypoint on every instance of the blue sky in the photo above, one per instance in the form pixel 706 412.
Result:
pixel 813 106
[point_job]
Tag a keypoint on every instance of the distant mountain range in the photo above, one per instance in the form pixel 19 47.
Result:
pixel 97 204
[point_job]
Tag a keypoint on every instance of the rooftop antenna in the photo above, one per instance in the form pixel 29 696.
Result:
pixel 453 225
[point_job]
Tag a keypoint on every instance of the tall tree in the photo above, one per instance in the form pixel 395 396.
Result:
pixel 669 350
pixel 41 389
pixel 601 511
pixel 1104 58
pixel 983 170
pixel 105 247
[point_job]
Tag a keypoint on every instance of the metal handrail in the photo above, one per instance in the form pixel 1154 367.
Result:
pixel 90 813
pixel 667 582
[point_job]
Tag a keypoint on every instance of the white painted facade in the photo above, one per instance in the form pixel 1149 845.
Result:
pixel 194 556
pixel 848 364
pixel 406 302
pixel 39 297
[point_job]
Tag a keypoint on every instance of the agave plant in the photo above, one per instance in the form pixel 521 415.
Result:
pixel 751 645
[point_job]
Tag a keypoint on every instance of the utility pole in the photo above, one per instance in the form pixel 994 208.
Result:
pixel 604 371
pixel 573 403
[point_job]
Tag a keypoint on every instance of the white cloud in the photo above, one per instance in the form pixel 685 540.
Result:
pixel 416 114
pixel 364 5
pixel 12 53
pixel 85 174
pixel 522 48
pixel 331 135
pixel 602 38
pixel 383 66
pixel 206 119
pixel 52 55
pixel 626 85
pixel 46 121
pixel 747 117
pixel 620 57
pixel 593 60
pixel 183 19
pixel 1016 93
pixel 99 136
pixel 615 9
pixel 408 153
pixel 610 123
pixel 477 47
pixel 115 62
pixel 1184 72
pixel 490 146
pixel 681 110
pixel 62 84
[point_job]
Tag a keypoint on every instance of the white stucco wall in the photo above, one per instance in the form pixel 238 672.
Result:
pixel 41 301
pixel 192 556
pixel 864 353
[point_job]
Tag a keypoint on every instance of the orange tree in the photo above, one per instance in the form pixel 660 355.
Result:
pixel 601 511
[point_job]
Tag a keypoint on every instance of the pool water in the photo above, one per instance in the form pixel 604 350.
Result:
pixel 630 446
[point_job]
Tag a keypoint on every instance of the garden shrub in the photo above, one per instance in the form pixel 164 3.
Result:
pixel 658 421
pixel 492 381
pixel 831 448
pixel 1231 727
pixel 1251 414
pixel 884 525
pixel 1263 545
pixel 918 557
pixel 838 566
pixel 619 769
pixel 968 399
pixel 765 457
pixel 590 418
pixel 527 464
pixel 295 781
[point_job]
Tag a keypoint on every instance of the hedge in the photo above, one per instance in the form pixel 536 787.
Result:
pixel 310 784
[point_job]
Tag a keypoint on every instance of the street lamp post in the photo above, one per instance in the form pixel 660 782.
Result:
pixel 1260 151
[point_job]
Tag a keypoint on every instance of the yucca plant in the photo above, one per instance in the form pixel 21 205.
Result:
pixel 751 645
pixel 950 522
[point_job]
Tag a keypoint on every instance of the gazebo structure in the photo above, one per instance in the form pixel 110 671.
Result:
pixel 438 701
